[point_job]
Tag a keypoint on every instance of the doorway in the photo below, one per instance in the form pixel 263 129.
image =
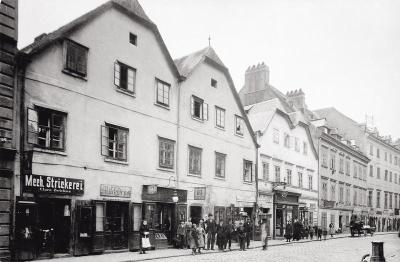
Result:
pixel 279 225
pixel 54 227
pixel 196 214
pixel 116 225
pixel 340 222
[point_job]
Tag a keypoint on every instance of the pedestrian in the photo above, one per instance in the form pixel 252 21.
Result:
pixel 288 231
pixel 181 235
pixel 319 230
pixel 144 237
pixel 296 230
pixel 200 234
pixel 230 233
pixel 264 234
pixel 331 229
pixel 188 227
pixel 202 225
pixel 211 230
pixel 193 239
pixel 311 231
pixel 241 233
pixel 324 232
pixel 221 236
pixel 248 228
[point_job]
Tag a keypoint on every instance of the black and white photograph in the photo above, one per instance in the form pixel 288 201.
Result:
pixel 200 130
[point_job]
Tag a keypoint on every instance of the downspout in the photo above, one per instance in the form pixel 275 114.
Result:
pixel 318 180
pixel 256 222
pixel 177 132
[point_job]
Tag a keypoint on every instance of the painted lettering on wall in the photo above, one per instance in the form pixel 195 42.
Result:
pixel 115 191
pixel 54 185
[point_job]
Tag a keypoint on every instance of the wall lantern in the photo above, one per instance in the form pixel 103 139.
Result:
pixel 175 197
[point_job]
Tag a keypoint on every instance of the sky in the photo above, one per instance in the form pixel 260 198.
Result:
pixel 341 53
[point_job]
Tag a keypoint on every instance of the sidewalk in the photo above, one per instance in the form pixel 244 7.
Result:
pixel 171 252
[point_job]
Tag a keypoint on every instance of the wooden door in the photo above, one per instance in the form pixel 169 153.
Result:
pixel 135 219
pixel 84 228
pixel 98 235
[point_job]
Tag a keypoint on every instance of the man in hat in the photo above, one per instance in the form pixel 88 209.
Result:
pixel 211 230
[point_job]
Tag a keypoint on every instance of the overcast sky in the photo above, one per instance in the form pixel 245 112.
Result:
pixel 342 53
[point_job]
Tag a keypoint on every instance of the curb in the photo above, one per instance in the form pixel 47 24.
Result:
pixel 254 247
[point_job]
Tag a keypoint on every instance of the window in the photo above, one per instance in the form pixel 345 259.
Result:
pixel 355 170
pixel 166 153
pixel 75 58
pixel 390 176
pixel 133 39
pixel 395 160
pixel 46 128
pixel 286 140
pixel 124 77
pixel 220 165
pixel 324 157
pixel 395 178
pixel 195 160
pixel 265 174
pixel 378 199
pixel 296 144
pixel 219 117
pixel 341 194
pixel 378 153
pixel 239 126
pixel 348 195
pixel 378 172
pixel 214 83
pixel 163 90
pixel 199 109
pixel 247 171
pixel 371 171
pixel 310 182
pixel 386 156
pixel 305 148
pixel 277 174
pixel 341 165
pixel 324 194
pixel 333 162
pixel 390 158
pixel 371 150
pixel 355 196
pixel 369 198
pixel 333 192
pixel 348 167
pixel 386 175
pixel 114 142
pixel 276 136
pixel 386 201
pixel 100 217
pixel 300 179
pixel 289 176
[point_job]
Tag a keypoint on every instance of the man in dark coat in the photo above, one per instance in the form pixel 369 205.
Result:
pixel 248 228
pixel 241 233
pixel 211 230
pixel 181 235
pixel 221 236
pixel 288 231
pixel 230 231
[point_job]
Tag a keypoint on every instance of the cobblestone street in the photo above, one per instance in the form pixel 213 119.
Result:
pixel 344 249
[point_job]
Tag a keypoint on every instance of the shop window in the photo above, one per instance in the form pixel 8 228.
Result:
pixel 124 77
pixel 136 217
pixel 75 58
pixel 166 153
pixel 247 171
pixel 220 160
pixel 239 126
pixel 199 109
pixel 219 214
pixel 85 222
pixel 99 217
pixel 195 160
pixel 114 142
pixel 163 93
pixel 46 128
pixel 219 117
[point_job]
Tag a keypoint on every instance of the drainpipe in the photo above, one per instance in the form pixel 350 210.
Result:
pixel 318 179
pixel 256 180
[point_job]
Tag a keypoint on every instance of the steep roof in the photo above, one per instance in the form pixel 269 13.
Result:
pixel 187 64
pixel 131 8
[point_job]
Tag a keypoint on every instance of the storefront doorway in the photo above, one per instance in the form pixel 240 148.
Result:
pixel 196 213
pixel 116 225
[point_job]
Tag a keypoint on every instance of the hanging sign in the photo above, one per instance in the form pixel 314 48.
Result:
pixel 115 191
pixel 53 185
pixel 151 189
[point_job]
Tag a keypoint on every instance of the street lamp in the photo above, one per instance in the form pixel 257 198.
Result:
pixel 175 197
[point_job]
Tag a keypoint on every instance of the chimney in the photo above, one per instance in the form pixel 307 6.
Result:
pixel 256 78
pixel 297 98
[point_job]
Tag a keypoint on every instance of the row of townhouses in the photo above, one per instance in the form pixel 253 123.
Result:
pixel 100 129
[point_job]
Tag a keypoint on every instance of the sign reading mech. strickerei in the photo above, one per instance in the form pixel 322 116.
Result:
pixel 53 185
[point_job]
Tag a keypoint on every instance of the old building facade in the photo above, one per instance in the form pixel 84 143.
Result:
pixel 117 132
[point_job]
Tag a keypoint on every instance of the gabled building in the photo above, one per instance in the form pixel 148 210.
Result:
pixel 115 131
pixel 288 160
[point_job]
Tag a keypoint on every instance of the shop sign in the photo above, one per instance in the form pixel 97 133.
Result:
pixel 265 201
pixel 115 191
pixel 152 189
pixel 199 193
pixel 53 185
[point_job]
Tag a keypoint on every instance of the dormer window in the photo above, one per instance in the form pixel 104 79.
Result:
pixel 214 83
pixel 75 58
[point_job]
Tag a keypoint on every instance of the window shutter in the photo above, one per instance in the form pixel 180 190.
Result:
pixel 104 140
pixel 81 60
pixel 205 111
pixel 191 106
pixel 117 70
pixel 122 143
pixel 70 57
pixel 131 79
pixel 32 126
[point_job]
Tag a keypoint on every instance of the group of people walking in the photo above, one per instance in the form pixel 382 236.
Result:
pixel 297 231
pixel 204 235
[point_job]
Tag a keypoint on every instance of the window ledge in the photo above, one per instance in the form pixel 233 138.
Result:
pixel 162 106
pixel 239 135
pixel 66 71
pixel 247 183
pixel 50 151
pixel 125 92
pixel 219 178
pixel 166 169
pixel 220 128
pixel 198 119
pixel 194 175
pixel 110 160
